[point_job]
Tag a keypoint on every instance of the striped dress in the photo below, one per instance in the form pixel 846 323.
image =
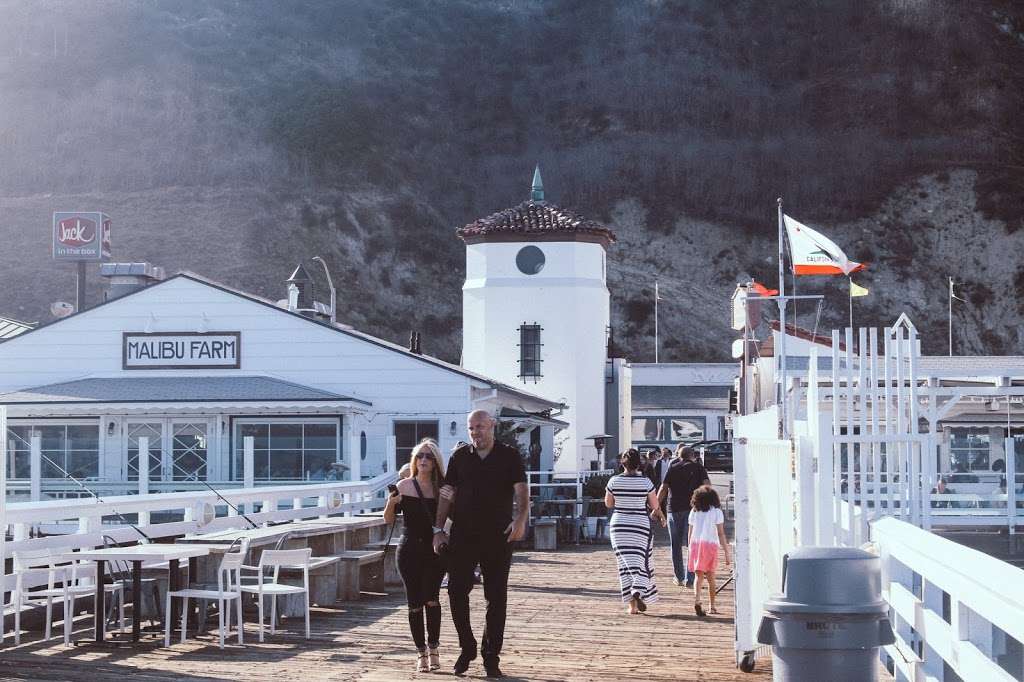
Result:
pixel 631 536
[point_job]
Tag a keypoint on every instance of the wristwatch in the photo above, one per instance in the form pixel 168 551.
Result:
pixel 437 530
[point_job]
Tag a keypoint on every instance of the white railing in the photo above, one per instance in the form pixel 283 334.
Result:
pixel 541 480
pixel 185 512
pixel 766 528
pixel 857 469
pixel 952 607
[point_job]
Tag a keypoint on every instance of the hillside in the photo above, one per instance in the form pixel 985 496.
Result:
pixel 235 138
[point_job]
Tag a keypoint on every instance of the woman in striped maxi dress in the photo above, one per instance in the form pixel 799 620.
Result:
pixel 631 494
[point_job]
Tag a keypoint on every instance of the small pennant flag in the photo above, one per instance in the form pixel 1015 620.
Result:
pixel 857 290
pixel 762 290
pixel 815 254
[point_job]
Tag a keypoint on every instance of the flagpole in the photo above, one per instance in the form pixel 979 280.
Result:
pixel 655 321
pixel 781 350
pixel 849 281
pixel 950 316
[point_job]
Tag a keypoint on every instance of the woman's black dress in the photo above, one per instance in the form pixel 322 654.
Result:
pixel 421 568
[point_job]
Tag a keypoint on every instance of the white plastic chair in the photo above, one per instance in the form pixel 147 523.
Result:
pixel 228 579
pixel 274 559
pixel 71 576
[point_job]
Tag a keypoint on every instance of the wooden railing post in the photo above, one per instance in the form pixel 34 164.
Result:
pixel 35 468
pixel 143 467
pixel 1011 485
pixel 249 465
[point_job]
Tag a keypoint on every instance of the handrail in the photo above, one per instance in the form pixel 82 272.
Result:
pixel 301 501
pixel 975 585
pixel 57 510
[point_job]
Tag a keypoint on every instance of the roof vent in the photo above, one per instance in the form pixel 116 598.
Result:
pixel 127 278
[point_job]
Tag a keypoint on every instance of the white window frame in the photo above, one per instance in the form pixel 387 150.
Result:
pixel 236 442
pixel 70 421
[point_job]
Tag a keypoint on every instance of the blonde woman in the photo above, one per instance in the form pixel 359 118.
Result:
pixel 420 567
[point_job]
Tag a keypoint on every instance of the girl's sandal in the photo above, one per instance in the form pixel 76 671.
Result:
pixel 435 660
pixel 699 610
pixel 714 610
pixel 423 663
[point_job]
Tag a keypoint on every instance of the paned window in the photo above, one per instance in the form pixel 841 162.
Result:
pixel 969 449
pixel 529 352
pixel 407 435
pixel 65 448
pixel 295 450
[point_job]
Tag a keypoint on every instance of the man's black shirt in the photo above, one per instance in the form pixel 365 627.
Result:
pixel 683 477
pixel 484 488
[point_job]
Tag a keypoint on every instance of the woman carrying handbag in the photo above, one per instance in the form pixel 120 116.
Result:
pixel 420 567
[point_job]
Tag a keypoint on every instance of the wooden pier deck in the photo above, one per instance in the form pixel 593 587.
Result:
pixel 565 623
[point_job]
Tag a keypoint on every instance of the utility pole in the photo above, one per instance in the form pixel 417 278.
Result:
pixel 780 352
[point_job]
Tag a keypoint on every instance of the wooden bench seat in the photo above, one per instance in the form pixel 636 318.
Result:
pixel 359 570
pixel 391 574
pixel 323 581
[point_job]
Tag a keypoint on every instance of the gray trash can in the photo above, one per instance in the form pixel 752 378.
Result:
pixel 830 618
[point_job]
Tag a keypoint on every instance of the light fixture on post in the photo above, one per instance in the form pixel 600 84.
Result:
pixel 330 285
pixel 111 426
pixel 600 440
pixel 452 428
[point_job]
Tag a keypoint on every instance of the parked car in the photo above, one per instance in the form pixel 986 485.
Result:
pixel 717 456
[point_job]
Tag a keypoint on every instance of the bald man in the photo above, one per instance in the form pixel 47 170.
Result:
pixel 480 483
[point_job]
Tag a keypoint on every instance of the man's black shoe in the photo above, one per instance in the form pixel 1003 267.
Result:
pixel 462 663
pixel 492 669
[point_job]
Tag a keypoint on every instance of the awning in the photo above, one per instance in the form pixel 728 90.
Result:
pixel 680 398
pixel 180 394
pixel 530 419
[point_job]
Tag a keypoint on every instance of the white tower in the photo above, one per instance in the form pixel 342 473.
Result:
pixel 535 312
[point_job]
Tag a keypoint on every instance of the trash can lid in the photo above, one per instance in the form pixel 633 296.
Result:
pixel 837 580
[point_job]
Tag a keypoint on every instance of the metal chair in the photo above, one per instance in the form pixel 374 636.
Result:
pixel 228 590
pixel 274 559
pixel 121 573
pixel 72 585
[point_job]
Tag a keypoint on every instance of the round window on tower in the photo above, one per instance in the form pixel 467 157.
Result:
pixel 530 260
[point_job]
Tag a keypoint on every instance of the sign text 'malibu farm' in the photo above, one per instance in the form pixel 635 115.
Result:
pixel 182 350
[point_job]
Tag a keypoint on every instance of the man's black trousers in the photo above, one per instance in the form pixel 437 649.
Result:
pixel 493 553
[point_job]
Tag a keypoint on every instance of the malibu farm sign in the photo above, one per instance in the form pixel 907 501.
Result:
pixel 181 350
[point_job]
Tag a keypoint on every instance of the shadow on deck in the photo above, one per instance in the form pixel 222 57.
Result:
pixel 565 622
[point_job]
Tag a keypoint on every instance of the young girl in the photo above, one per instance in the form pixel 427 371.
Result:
pixel 707 534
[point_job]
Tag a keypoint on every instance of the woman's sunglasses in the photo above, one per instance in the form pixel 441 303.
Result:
pixel 424 455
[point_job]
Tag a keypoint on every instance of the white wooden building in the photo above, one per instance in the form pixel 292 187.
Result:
pixel 680 402
pixel 195 366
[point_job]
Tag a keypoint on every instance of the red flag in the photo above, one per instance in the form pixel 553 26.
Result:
pixel 762 290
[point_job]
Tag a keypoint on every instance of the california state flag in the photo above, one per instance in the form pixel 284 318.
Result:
pixel 815 254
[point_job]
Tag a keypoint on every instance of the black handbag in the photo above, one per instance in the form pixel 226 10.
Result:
pixel 444 549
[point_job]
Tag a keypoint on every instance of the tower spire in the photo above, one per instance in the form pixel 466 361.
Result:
pixel 537 190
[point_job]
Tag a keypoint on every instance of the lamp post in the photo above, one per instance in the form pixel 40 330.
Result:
pixel 330 284
pixel 600 440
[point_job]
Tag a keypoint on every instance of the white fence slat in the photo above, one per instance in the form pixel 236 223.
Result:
pixel 862 456
pixel 876 448
pixel 851 417
pixel 833 454
pixel 1009 446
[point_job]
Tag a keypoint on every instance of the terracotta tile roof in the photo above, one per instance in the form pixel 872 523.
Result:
pixel 534 218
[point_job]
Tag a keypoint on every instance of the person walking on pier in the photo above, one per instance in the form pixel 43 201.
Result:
pixel 684 476
pixel 482 479
pixel 707 536
pixel 420 567
pixel 630 494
